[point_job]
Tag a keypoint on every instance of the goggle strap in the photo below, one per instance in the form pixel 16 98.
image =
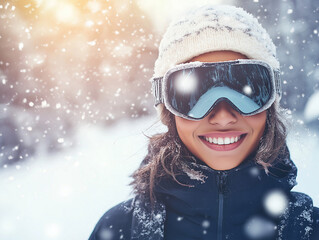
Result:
pixel 157 90
pixel 278 82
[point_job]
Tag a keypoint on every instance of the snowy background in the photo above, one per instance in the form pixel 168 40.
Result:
pixel 62 196
pixel 75 103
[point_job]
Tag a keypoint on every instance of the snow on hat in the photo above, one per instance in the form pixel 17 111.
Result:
pixel 214 28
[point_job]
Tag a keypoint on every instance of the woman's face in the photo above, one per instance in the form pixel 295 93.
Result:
pixel 224 138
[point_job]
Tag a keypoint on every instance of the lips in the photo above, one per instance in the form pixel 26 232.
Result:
pixel 223 141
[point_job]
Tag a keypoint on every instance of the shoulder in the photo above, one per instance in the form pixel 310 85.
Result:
pixel 300 199
pixel 315 223
pixel 115 223
pixel 301 207
pixel 305 211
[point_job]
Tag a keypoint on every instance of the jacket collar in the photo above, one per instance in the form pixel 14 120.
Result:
pixel 200 177
pixel 247 178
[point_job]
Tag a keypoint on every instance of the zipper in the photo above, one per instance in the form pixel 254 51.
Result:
pixel 221 182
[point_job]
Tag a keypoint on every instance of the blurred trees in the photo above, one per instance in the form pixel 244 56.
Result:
pixel 78 58
pixel 294 27
pixel 63 62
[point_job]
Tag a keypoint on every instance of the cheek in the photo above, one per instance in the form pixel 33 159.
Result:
pixel 181 126
pixel 258 123
pixel 185 128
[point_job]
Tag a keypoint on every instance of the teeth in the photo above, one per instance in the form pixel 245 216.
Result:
pixel 222 141
pixel 227 140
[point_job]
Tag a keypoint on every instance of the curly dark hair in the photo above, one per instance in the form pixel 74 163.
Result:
pixel 166 152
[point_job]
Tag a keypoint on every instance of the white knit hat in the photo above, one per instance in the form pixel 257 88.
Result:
pixel 214 28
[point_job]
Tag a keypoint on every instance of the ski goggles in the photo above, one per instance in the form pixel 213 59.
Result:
pixel 192 90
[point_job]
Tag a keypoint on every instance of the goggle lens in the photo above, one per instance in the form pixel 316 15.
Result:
pixel 195 91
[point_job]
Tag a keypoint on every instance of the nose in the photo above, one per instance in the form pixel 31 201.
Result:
pixel 223 114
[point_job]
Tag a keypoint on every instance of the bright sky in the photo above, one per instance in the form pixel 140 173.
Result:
pixel 163 11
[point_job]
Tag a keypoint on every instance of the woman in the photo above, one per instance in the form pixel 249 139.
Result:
pixel 222 170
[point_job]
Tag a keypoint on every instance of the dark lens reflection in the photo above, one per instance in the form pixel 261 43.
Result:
pixel 251 80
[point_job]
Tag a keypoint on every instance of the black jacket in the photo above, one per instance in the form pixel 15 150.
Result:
pixel 239 204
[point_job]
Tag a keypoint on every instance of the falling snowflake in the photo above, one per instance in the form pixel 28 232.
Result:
pixel 259 228
pixel 276 202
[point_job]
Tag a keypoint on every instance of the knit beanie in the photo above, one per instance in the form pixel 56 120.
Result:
pixel 214 28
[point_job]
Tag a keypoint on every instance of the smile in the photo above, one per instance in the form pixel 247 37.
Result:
pixel 223 141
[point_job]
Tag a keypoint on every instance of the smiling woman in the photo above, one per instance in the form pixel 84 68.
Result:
pixel 231 136
pixel 222 170
pixel 224 138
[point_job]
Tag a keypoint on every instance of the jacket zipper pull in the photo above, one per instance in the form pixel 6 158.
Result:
pixel 221 180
